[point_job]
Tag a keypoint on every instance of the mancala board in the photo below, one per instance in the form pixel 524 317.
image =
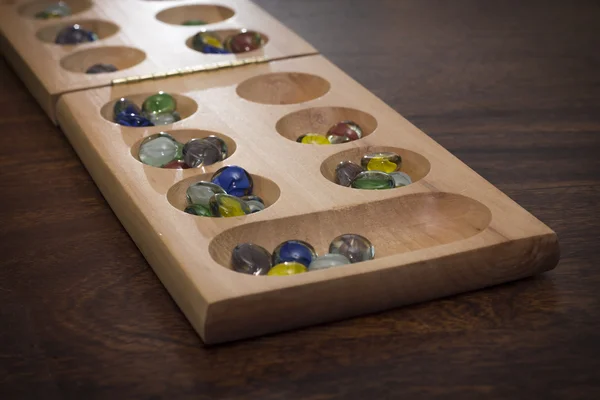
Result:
pixel 449 232
pixel 141 38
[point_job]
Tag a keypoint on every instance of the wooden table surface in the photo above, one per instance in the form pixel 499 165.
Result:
pixel 510 87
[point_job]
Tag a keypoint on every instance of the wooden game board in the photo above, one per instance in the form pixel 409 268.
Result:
pixel 449 232
pixel 139 44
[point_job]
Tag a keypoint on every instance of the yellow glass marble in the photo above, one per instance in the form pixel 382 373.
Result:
pixel 212 41
pixel 381 164
pixel 224 205
pixel 287 268
pixel 313 138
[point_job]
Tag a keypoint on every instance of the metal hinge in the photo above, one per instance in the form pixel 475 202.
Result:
pixel 192 70
pixel 204 68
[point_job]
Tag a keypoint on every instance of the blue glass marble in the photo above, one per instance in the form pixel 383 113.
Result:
pixel 294 251
pixel 131 119
pixel 125 105
pixel 213 50
pixel 101 68
pixel 75 34
pixel 236 181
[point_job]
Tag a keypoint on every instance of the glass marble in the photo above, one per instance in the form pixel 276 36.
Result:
pixel 201 192
pixel 328 261
pixel 201 152
pixel 346 172
pixel 159 149
pixel 255 203
pixel 197 209
pixel 176 164
pixel 344 131
pixel 373 180
pixel 194 22
pixel 58 10
pixel 355 248
pixel 287 268
pixel 294 251
pixel 244 41
pixel 235 180
pixel 208 43
pixel 250 258
pixel 132 120
pixel 101 68
pixel 384 161
pixel 165 118
pixel 75 34
pixel 224 205
pixel 401 179
pixel 159 103
pixel 313 138
pixel 220 143
pixel 127 106
pixel 337 139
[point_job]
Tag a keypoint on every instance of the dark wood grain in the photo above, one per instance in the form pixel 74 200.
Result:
pixel 512 88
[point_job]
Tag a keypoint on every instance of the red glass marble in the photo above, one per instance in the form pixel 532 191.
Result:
pixel 176 164
pixel 244 41
pixel 346 131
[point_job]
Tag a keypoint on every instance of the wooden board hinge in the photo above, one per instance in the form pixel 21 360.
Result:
pixel 201 68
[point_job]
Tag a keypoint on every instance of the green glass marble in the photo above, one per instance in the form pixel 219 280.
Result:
pixel 373 180
pixel 201 192
pixel 401 178
pixel 224 205
pixel 197 209
pixel 194 22
pixel 159 103
pixel 159 150
pixel 255 203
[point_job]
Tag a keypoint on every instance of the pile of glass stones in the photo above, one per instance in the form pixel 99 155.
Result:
pixel 228 194
pixel 158 109
pixel 164 151
pixel 342 132
pixel 241 42
pixel 377 171
pixel 57 10
pixel 75 34
pixel 296 256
